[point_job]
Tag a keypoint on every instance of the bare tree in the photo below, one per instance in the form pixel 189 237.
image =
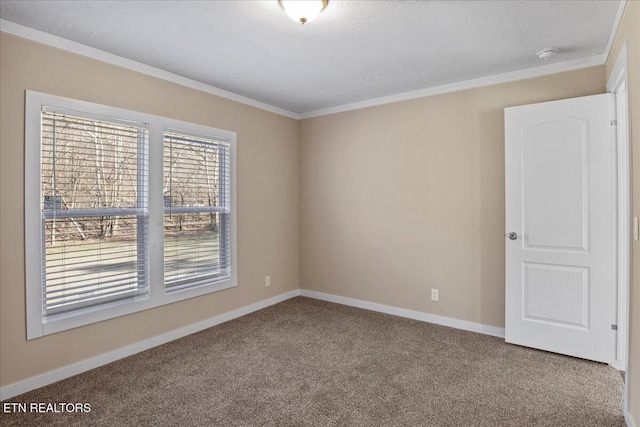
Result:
pixel 89 164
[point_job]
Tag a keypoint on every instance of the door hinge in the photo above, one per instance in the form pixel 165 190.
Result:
pixel 614 327
pixel 614 122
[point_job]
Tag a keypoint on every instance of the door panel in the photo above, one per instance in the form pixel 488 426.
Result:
pixel 559 201
pixel 563 184
pixel 556 282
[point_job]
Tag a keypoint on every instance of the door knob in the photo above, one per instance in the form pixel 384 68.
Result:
pixel 512 235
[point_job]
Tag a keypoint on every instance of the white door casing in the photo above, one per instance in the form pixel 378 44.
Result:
pixel 617 84
pixel 560 165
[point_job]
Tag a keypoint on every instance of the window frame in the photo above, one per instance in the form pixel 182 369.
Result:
pixel 211 279
pixel 37 324
pixel 141 211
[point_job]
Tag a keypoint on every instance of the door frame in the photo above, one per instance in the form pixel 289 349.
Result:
pixel 620 341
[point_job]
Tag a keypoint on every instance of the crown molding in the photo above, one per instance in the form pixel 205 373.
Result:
pixel 614 30
pixel 512 76
pixel 100 55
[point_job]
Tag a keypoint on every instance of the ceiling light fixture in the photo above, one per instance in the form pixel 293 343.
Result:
pixel 547 53
pixel 303 11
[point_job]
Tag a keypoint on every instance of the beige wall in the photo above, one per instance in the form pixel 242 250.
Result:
pixel 629 31
pixel 404 197
pixel 267 191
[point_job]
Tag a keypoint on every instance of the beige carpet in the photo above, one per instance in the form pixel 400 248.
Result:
pixel 305 362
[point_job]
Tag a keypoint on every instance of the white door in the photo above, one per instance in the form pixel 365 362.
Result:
pixel 560 226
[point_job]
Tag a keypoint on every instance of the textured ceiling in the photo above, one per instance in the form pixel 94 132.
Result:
pixel 355 50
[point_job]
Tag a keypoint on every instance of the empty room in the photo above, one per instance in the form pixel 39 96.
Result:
pixel 320 213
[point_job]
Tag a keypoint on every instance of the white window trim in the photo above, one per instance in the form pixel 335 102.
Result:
pixel 37 326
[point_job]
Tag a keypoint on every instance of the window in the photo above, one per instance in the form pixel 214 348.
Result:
pixel 94 211
pixel 124 211
pixel 196 211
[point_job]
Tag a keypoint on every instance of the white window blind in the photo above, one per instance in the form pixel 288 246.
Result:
pixel 93 210
pixel 99 242
pixel 197 210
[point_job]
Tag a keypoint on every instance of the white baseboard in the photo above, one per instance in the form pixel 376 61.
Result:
pixel 629 419
pixel 50 377
pixel 617 364
pixel 410 314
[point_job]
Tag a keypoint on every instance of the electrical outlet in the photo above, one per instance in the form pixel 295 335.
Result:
pixel 435 294
pixel 267 280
